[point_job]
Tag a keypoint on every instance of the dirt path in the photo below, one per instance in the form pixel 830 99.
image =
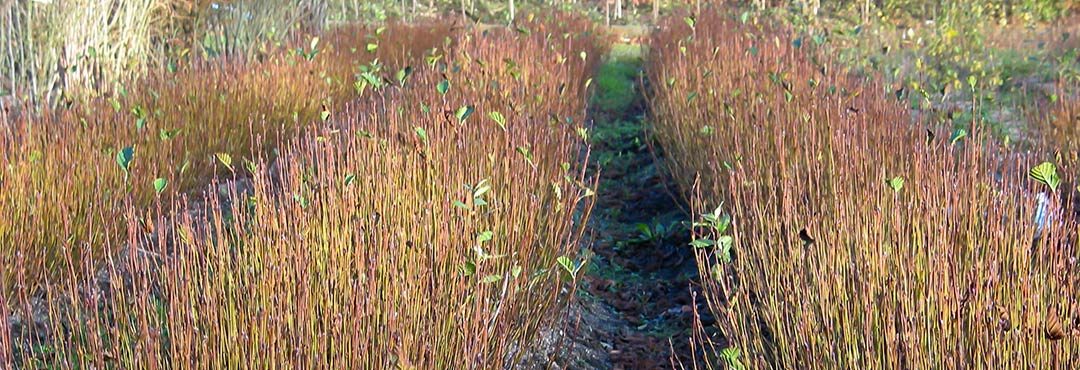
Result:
pixel 636 293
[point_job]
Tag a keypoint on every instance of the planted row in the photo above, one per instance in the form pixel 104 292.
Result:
pixel 838 231
pixel 69 175
pixel 427 224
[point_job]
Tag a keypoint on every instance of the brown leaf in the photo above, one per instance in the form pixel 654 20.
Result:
pixel 1053 328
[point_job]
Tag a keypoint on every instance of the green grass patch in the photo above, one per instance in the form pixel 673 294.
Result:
pixel 616 81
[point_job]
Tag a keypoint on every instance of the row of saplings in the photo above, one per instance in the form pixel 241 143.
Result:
pixel 836 230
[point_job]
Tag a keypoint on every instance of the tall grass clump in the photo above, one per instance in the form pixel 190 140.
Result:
pixel 839 232
pixel 432 224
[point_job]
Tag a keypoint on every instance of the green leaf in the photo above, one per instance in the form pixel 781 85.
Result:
pixel 225 159
pixel 957 135
pixel 403 75
pixel 371 47
pixel 481 188
pixel 690 21
pixel 484 236
pixel 896 183
pixel 717 271
pixel 159 184
pixel 723 223
pixel 583 133
pixel 124 157
pixel 250 166
pixel 515 271
pixel 468 268
pixel 643 229
pixel 443 87
pixel 717 220
pixel 725 242
pixel 464 112
pixel 1046 173
pixel 324 115
pixel 731 356
pixel 422 134
pixel 300 199
pixel 349 179
pixel 166 135
pixel 567 264
pixel 702 243
pixel 498 118
pixel 524 151
pixel 491 279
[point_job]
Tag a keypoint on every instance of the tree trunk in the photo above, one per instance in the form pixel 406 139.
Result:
pixel 513 12
pixel 607 12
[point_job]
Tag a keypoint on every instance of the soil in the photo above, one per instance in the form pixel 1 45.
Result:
pixel 634 308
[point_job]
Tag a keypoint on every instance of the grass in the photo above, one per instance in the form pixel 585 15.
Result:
pixel 615 83
pixel 849 233
pixel 273 205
